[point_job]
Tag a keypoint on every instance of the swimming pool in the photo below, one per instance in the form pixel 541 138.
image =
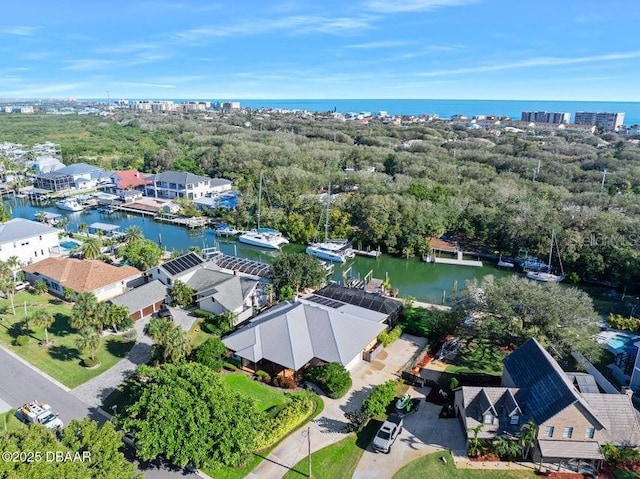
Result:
pixel 69 245
pixel 617 341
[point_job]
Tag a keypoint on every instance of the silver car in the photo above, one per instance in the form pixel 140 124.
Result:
pixel 388 433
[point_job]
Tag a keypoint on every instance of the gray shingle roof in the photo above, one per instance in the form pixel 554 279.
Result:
pixel 573 449
pixel 20 228
pixel 227 289
pixel 548 389
pixel 142 296
pixel 81 169
pixel 618 417
pixel 291 334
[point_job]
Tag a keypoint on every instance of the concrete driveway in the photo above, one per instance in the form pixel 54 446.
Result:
pixel 424 432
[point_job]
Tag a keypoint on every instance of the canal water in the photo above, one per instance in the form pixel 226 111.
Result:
pixel 412 277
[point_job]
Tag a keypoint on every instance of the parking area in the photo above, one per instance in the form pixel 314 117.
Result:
pixel 423 433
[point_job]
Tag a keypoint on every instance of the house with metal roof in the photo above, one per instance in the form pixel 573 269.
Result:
pixel 179 184
pixel 29 241
pixel 291 336
pixel 78 175
pixel 572 417
pixel 144 300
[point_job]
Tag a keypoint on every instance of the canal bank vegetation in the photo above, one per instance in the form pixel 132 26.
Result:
pixel 496 192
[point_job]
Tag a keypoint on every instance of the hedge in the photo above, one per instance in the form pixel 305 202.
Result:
pixel 379 399
pixel 388 337
pixel 286 419
pixel 333 378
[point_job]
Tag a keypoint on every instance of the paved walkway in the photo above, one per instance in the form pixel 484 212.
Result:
pixel 96 390
pixel 182 318
pixel 327 428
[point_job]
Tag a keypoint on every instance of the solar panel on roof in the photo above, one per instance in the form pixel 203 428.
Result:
pixel 182 263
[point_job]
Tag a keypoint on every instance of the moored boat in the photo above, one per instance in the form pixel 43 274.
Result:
pixel 69 204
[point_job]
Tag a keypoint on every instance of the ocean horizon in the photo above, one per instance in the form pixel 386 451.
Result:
pixel 443 108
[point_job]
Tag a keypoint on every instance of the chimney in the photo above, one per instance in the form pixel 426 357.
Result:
pixel 628 391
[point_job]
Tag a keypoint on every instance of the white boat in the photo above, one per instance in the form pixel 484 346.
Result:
pixel 502 263
pixel 548 277
pixel 226 230
pixel 69 204
pixel 336 250
pixel 263 237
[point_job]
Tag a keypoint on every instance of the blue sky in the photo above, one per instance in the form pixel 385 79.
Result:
pixel 272 49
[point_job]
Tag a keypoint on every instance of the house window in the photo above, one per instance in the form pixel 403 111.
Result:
pixel 568 432
pixel 548 432
pixel 488 418
pixel 515 419
pixel 590 432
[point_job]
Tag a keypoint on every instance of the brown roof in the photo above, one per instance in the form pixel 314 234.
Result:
pixel 81 274
pixel 438 244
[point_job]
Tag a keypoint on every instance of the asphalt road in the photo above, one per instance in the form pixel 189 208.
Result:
pixel 20 384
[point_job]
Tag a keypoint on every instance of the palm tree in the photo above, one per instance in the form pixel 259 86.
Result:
pixel 88 340
pixel 269 291
pixel 506 448
pixel 44 318
pixel 159 329
pixel 41 216
pixel 68 293
pixel 14 263
pixel 40 287
pixel 114 315
pixel 528 433
pixel 177 346
pixel 133 234
pixel 474 443
pixel 83 228
pixel 62 223
pixel 91 248
pixel 85 312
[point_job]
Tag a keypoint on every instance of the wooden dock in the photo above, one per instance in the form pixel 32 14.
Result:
pixel 193 222
pixel 458 260
pixel 371 253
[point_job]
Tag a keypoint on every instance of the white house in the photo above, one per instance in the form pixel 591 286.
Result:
pixel 28 240
pixel 177 184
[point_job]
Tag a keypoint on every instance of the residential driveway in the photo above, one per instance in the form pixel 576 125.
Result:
pixel 182 318
pixel 327 428
pixel 423 433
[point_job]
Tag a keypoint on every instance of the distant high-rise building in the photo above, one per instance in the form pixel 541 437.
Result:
pixel 606 121
pixel 545 117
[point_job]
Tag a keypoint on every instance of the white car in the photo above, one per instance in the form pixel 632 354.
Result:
pixel 388 433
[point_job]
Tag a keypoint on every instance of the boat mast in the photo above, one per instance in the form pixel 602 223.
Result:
pixel 326 221
pixel 551 250
pixel 259 200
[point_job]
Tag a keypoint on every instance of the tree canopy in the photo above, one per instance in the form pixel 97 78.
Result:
pixel 297 271
pixel 141 253
pixel 185 414
pixel 510 310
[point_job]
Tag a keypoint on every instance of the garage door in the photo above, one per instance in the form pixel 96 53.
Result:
pixel 135 316
pixel 147 311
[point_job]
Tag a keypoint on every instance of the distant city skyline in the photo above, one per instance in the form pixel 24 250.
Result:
pixel 288 49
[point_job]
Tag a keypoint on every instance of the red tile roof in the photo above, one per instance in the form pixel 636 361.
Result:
pixel 130 178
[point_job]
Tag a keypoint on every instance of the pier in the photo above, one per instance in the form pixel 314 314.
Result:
pixel 370 253
pixel 193 222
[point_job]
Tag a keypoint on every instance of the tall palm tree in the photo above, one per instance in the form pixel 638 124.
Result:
pixel 177 346
pixel 88 340
pixel 528 433
pixel 133 233
pixel 44 318
pixel 159 329
pixel 91 248
pixel 83 228
pixel 62 223
pixel 41 216
pixel 14 263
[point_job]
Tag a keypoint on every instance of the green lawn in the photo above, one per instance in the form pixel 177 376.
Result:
pixel 478 358
pixel 623 474
pixel 9 422
pixel 196 335
pixel 61 360
pixel 432 467
pixel 339 460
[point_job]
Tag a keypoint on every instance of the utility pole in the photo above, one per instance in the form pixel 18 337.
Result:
pixel 309 449
pixel 604 177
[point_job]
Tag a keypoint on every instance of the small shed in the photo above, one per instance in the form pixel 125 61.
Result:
pixel 107 230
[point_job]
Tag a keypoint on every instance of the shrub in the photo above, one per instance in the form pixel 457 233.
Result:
pixel 356 419
pixel 210 353
pixel 379 399
pixel 229 367
pixel 126 323
pixel 21 340
pixel 263 376
pixel 284 382
pixel 333 378
pixel 285 419
pixel 89 363
pixel 388 337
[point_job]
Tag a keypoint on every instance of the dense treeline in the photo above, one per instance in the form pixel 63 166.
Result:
pixel 396 184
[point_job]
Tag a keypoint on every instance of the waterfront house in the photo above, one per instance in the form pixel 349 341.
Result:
pixel 27 240
pixel 572 417
pixel 294 335
pixel 84 275
pixel 127 184
pixel 80 176
pixel 144 300
pixel 178 184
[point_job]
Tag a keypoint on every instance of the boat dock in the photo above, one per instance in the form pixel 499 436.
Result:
pixel 193 222
pixel 459 261
pixel 370 253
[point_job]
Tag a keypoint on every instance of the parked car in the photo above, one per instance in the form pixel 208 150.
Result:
pixel 165 312
pixel 388 433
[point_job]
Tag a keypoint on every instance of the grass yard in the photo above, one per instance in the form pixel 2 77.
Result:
pixel 9 422
pixel 61 360
pixel 432 467
pixel 339 460
pixel 196 335
pixel 478 358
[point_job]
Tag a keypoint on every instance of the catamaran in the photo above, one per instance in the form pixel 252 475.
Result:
pixel 336 250
pixel 263 237
pixel 549 277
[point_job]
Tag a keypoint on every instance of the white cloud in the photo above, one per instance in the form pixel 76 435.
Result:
pixel 36 90
pixel 533 62
pixel 403 6
pixel 143 84
pixel 88 64
pixel 380 44
pixel 19 30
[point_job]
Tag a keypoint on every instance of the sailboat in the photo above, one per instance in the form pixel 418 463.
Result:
pixel 505 262
pixel 548 277
pixel 263 237
pixel 336 250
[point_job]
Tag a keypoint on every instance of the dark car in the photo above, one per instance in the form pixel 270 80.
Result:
pixel 164 312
